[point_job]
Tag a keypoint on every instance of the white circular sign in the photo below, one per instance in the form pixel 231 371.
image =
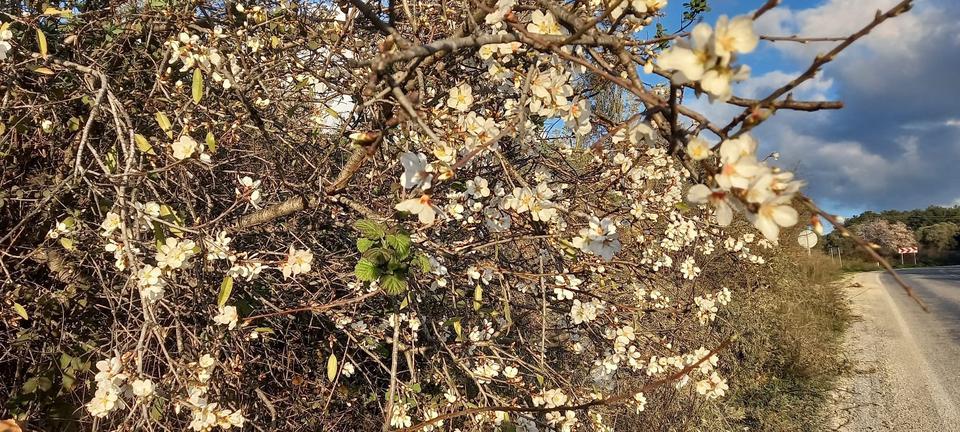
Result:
pixel 807 238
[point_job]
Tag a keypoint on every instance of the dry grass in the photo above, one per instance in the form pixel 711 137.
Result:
pixel 789 354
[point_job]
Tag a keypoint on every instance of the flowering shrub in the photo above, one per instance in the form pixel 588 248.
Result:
pixel 354 216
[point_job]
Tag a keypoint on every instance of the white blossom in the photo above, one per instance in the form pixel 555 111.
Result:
pixel 297 262
pixel 416 171
pixel 142 387
pixel 423 207
pixel 227 316
pixel 184 147
pixel 461 98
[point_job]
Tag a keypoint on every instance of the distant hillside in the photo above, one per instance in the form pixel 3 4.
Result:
pixel 935 229
pixel 914 219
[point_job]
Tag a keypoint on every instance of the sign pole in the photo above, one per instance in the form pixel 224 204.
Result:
pixel 901 258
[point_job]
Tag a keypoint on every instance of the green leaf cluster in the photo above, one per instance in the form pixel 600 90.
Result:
pixel 386 256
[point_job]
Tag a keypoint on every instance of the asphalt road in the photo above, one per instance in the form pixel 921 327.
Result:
pixel 907 361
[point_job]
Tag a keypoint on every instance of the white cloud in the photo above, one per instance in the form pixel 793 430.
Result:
pixel 898 134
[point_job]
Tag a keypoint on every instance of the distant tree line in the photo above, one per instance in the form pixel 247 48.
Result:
pixel 934 230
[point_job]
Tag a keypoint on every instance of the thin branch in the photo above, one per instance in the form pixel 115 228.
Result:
pixel 617 398
pixel 811 71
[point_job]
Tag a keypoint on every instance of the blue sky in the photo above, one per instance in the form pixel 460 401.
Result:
pixel 896 144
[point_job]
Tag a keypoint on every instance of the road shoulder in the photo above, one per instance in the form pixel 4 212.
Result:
pixel 892 385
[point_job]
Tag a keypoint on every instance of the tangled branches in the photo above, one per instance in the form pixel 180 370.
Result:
pixel 423 215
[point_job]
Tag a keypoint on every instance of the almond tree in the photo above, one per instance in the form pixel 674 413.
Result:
pixel 890 236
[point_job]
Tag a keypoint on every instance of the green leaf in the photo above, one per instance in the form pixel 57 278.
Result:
pixel 370 229
pixel 363 244
pixel 156 409
pixel 458 329
pixel 399 243
pixel 197 85
pixel 424 262
pixel 366 270
pixel 332 367
pixel 42 42
pixel 30 385
pixel 111 161
pixel 211 143
pixel 393 284
pixel 68 380
pixel 143 145
pixel 416 387
pixel 67 244
pixel 20 311
pixel 65 360
pixel 158 234
pixel 164 123
pixel 37 383
pixel 477 297
pixel 226 287
pixel 378 255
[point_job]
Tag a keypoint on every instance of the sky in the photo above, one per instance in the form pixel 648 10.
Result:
pixel 896 143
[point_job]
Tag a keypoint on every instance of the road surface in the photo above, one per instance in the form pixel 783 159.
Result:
pixel 906 361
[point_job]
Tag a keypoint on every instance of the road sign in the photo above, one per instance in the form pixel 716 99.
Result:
pixel 807 239
pixel 908 250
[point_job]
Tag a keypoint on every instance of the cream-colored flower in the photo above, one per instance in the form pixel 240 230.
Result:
pixel 173 253
pixel 184 147
pixel 773 214
pixel 738 173
pixel 600 238
pixel 734 36
pixel 103 402
pixel 698 148
pixel 717 82
pixel 543 23
pixel 5 47
pixel 423 207
pixel 701 194
pixel 142 387
pixel 583 312
pixel 690 59
pixel 250 190
pixel 297 262
pixel 416 171
pixel 445 153
pixel 501 9
pixel 734 148
pixel 461 97
pixel 227 317
pixel 110 223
